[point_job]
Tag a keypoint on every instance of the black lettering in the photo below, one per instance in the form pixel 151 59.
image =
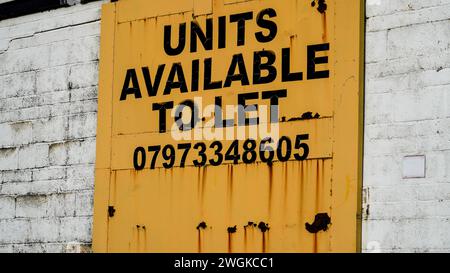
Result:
pixel 267 24
pixel 242 101
pixel 217 146
pixel 139 165
pixel 222 31
pixel 218 121
pixel 152 90
pixel 240 19
pixel 181 40
pixel 207 83
pixel 177 70
pixel 127 90
pixel 194 115
pixel 237 61
pixel 168 154
pixel 287 76
pixel 162 108
pixel 205 39
pixel 313 61
pixel 195 75
pixel 268 66
pixel 274 102
pixel 284 157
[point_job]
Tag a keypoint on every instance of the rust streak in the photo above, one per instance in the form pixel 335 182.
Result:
pixel 138 239
pixel 317 185
pixel 301 189
pixel 324 21
pixel 145 239
pixel 203 185
pixel 263 242
pixel 199 241
pixel 315 243
pixel 245 238
pixel 285 186
pixel 230 243
pixel 199 182
pixel 270 188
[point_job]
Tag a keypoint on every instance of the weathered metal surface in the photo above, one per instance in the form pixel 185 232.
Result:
pixel 304 199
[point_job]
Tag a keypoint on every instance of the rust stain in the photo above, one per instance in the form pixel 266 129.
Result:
pixel 305 116
pixel 133 173
pixel 322 8
pixel 248 228
pixel 111 211
pixel 321 223
pixel 321 5
pixel 270 187
pixel 199 241
pixel 317 185
pixel 200 228
pixel 245 238
pixel 230 183
pixel 315 243
pixel 285 186
pixel 264 228
pixel 230 243
pixel 138 244
pixel 230 231
pixel 301 186
pixel 204 182
pixel 115 186
pixel 270 166
pixel 145 238
pixel 199 186
pixel 263 243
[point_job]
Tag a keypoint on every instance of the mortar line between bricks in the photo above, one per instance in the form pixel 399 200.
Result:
pixel 408 25
pixel 69 64
pixel 52 104
pixel 399 12
pixel 46 117
pixel 406 58
pixel 51 93
pixel 80 139
pixel 49 167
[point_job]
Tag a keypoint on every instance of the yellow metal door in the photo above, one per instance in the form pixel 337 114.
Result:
pixel 163 188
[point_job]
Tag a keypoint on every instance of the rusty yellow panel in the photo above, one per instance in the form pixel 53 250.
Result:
pixel 163 187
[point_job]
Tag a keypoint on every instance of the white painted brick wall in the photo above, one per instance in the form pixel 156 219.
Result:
pixel 48 118
pixel 407 113
pixel 48 105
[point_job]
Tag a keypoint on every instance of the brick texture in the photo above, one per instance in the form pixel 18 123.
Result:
pixel 407 113
pixel 48 120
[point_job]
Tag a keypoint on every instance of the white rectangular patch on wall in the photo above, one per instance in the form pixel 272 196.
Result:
pixel 414 166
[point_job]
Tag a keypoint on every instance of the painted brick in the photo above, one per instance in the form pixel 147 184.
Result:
pixel 51 129
pixel 76 228
pixel 31 206
pixel 406 109
pixel 58 154
pixel 33 156
pixel 82 152
pixel 52 79
pixel 14 134
pixel 83 125
pixel 9 159
pixel 7 207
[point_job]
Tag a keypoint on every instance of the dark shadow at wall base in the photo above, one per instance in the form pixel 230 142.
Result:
pixel 18 8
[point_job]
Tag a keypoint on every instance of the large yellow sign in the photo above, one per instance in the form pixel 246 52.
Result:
pixel 229 126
